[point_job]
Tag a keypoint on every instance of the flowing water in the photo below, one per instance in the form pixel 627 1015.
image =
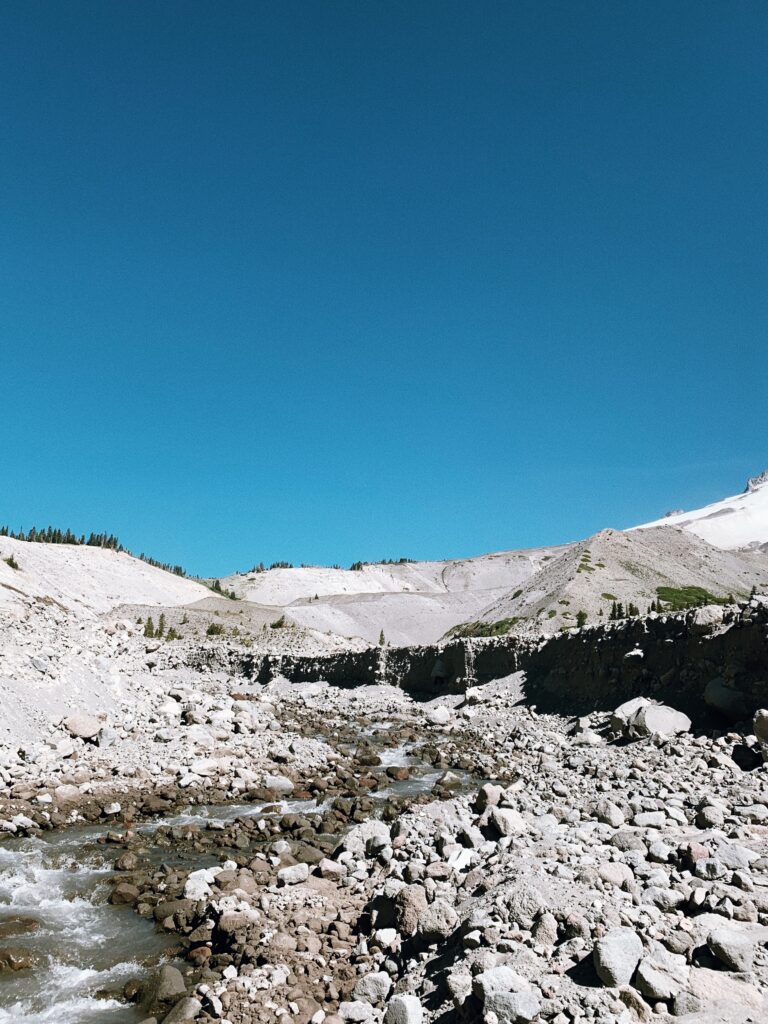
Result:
pixel 85 948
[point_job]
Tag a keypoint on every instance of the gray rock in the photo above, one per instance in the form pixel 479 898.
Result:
pixel 514 1007
pixel 760 725
pixel 616 956
pixel 609 814
pixel 650 819
pixel 82 726
pixel 624 712
pixel 404 1010
pixel 497 979
pixel 488 796
pixel 658 719
pixel 373 988
pixel 293 874
pixel 664 898
pixel 278 783
pixel 356 1011
pixel 733 948
pixel 654 983
pixel 437 922
pixel 507 821
pixel 170 984
pixel 184 1010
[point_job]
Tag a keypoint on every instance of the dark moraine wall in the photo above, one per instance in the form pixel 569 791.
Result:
pixel 671 658
pixel 465 663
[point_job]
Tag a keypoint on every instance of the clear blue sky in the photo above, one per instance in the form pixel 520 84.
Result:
pixel 334 280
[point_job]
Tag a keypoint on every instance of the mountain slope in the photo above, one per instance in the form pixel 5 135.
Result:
pixel 616 566
pixel 87 579
pixel 737 522
pixel 412 602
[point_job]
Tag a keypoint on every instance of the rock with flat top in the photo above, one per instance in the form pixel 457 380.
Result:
pixel 403 1009
pixel 82 726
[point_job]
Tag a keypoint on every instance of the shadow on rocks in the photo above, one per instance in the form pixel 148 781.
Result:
pixel 584 974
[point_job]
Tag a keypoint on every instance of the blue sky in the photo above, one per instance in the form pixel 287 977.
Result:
pixel 323 281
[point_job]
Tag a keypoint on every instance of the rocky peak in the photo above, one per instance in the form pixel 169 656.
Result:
pixel 756 481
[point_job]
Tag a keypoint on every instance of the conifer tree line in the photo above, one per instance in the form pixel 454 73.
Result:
pixel 51 535
pixel 619 612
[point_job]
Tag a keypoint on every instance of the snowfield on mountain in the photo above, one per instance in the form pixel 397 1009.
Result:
pixel 737 522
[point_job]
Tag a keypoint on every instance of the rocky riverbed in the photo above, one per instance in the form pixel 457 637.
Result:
pixel 312 854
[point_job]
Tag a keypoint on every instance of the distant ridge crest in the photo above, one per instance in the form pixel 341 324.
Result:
pixel 756 481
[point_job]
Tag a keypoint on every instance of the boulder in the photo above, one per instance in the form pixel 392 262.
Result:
pixel 410 904
pixel 82 726
pixel 356 1011
pixel 373 988
pixel 184 1010
pixel 513 1007
pixel 734 948
pixel 437 922
pixel 760 725
pixel 293 874
pixel 439 715
pixel 507 821
pixel 124 894
pixel 404 1010
pixel 169 985
pixel 609 814
pixel 616 956
pixel 497 979
pixel 279 784
pixel 624 712
pixel 657 719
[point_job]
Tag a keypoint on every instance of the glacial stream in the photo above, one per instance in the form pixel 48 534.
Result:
pixel 85 948
pixel 54 907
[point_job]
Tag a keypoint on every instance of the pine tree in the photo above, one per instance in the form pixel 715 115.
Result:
pixel 581 618
pixel 161 625
pixel 149 629
pixel 382 639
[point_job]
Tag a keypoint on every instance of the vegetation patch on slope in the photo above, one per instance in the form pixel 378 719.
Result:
pixel 483 628
pixel 675 599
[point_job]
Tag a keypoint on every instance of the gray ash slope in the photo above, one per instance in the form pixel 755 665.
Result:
pixel 626 567
pixel 722 549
